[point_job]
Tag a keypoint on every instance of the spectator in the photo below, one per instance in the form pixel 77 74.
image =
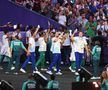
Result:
pixel 82 22
pixel 36 6
pixel 54 2
pixel 90 27
pixel 62 18
pixel 100 15
pixel 92 8
pixel 72 22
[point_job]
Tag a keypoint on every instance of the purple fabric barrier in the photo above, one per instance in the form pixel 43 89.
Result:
pixel 17 14
pixel 1 34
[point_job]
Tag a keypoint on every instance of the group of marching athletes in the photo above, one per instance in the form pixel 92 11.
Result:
pixel 11 50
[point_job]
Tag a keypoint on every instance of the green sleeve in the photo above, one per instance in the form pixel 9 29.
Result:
pixel 12 44
pixel 87 24
pixel 59 87
pixel 94 24
pixel 22 46
pixel 93 51
pixel 24 86
pixel 49 85
pixel 106 84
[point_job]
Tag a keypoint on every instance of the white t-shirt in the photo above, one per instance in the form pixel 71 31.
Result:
pixel 42 44
pixel 67 41
pixel 72 55
pixel 102 27
pixel 15 33
pixel 62 20
pixel 37 42
pixel 56 46
pixel 5 40
pixel 82 21
pixel 79 44
pixel 32 46
pixel 28 34
pixel 5 50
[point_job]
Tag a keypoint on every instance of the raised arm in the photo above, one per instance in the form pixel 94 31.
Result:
pixel 46 35
pixel 72 36
pixel 34 34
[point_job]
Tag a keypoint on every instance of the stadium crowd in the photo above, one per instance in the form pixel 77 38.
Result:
pixel 66 11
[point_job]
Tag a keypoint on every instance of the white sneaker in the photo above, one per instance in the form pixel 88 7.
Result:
pixel 76 73
pixel 43 69
pixel 22 70
pixel 93 77
pixel 29 62
pixel 37 72
pixel 58 73
pixel 15 73
pixel 98 77
pixel 56 69
pixel 49 72
pixel 34 71
pixel 62 63
pixel 47 62
pixel 6 72
pixel 12 68
pixel 14 62
pixel 1 68
pixel 71 69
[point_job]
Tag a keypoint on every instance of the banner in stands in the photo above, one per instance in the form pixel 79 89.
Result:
pixel 10 12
